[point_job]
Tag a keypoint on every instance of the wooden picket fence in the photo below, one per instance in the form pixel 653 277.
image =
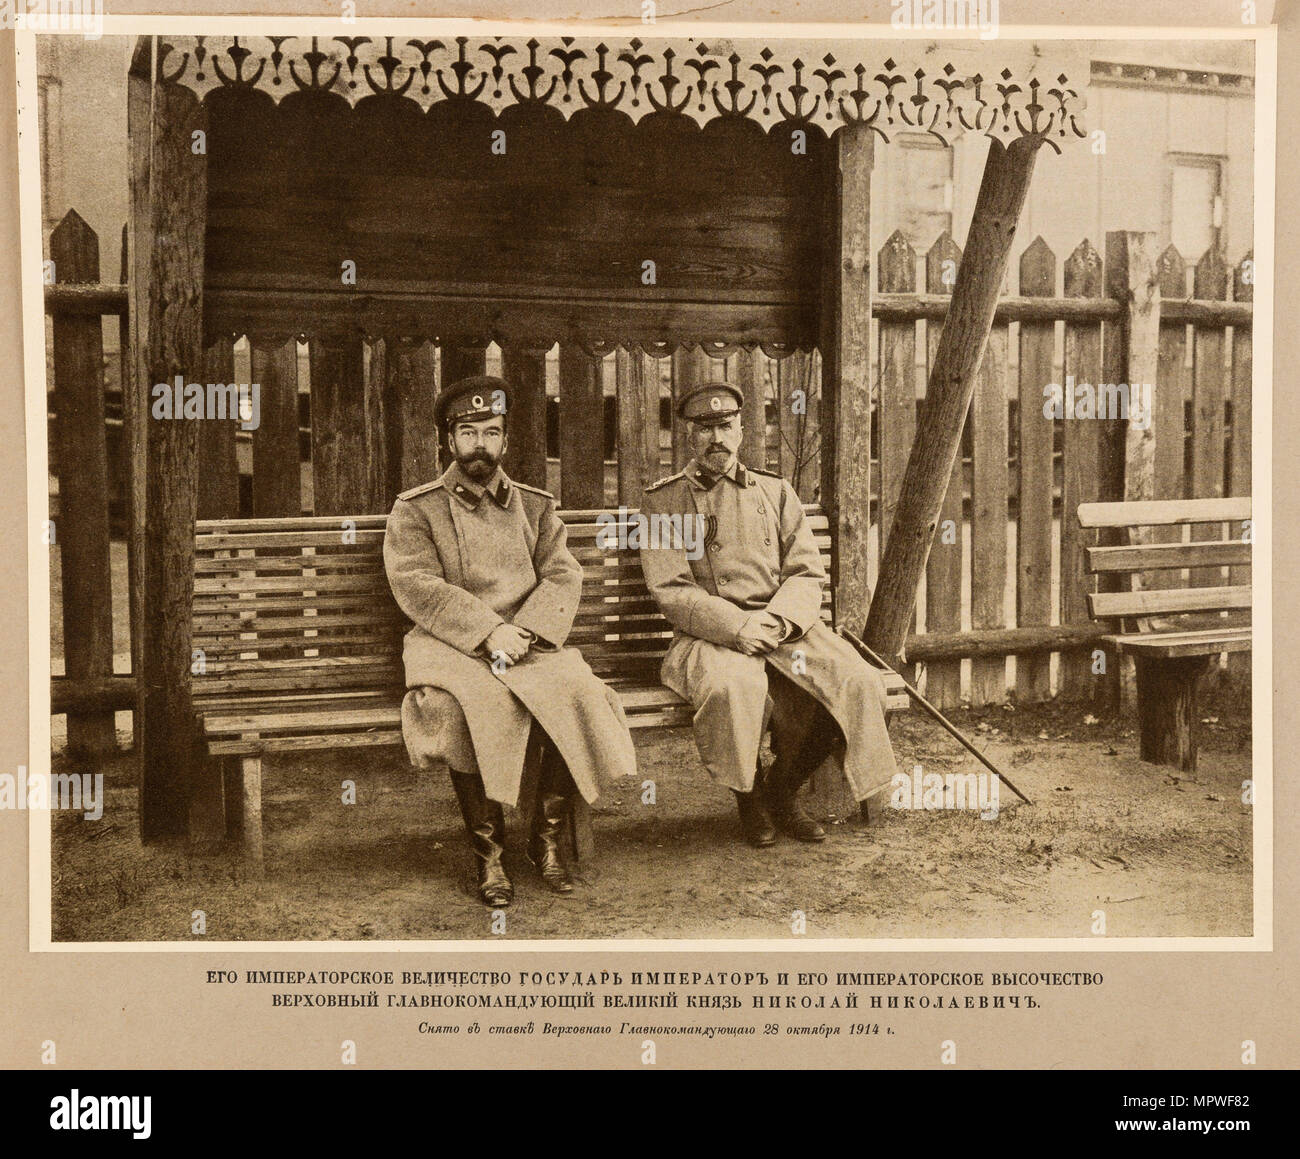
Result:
pixel 345 426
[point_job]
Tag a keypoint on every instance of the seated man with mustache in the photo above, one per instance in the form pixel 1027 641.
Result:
pixel 479 563
pixel 750 644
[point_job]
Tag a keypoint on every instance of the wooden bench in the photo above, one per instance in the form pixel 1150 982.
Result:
pixel 1172 631
pixel 298 645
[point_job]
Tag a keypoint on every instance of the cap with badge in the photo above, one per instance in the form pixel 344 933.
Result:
pixel 711 403
pixel 471 400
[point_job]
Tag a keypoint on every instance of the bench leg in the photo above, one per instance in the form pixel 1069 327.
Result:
pixel 251 775
pixel 207 801
pixel 1167 709
pixel 232 792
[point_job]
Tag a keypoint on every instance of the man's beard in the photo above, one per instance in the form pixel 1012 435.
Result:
pixel 478 465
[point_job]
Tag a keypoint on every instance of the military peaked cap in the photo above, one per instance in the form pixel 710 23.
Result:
pixel 711 403
pixel 472 399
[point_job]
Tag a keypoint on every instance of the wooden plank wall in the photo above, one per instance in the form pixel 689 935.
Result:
pixel 551 235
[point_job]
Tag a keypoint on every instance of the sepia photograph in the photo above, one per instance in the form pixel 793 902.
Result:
pixel 628 488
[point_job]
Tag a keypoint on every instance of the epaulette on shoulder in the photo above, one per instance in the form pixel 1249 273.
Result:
pixel 761 471
pixel 422 489
pixel 534 490
pixel 665 481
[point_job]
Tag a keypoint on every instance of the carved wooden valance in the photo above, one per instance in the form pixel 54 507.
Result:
pixel 1004 89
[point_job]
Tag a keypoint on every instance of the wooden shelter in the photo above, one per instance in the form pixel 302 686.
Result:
pixel 365 195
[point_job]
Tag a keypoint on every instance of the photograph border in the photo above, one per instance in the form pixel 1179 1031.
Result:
pixel 40 822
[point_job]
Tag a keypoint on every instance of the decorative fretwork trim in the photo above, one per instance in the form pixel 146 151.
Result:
pixel 798 82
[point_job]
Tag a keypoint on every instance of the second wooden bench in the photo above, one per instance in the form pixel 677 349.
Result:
pixel 1171 629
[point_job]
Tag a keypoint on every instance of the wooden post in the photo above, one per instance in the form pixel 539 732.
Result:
pixel 135 332
pixel 82 454
pixel 897 412
pixel 1132 280
pixel 1034 523
pixel 943 573
pixel 525 370
pixel 174 295
pixel 277 475
pixel 462 358
pixel 690 368
pixel 848 355
pixel 380 481
pixel 1209 374
pixel 1080 455
pixel 1167 421
pixel 1005 184
pixel 413 379
pixel 637 398
pixel 119 450
pixel 340 479
pixel 459 358
pixel 749 377
pixel 990 478
pixel 1239 482
pixel 800 437
pixel 218 465
pixel 582 429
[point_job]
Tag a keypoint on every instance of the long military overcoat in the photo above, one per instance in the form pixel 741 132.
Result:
pixel 759 554
pixel 463 558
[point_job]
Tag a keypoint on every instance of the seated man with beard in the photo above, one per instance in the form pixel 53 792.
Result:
pixel 749 646
pixel 479 564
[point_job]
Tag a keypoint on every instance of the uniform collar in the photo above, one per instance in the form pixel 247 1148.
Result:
pixel 703 479
pixel 458 483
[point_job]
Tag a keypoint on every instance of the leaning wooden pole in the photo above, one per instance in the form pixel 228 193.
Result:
pixel 1005 184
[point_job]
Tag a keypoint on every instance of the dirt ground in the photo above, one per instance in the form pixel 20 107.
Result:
pixel 1160 854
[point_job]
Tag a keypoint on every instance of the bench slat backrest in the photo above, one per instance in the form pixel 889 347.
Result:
pixel 1131 561
pixel 286 604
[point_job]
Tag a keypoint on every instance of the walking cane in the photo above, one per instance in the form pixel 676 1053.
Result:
pixel 868 654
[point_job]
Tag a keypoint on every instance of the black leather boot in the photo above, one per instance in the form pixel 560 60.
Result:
pixel 755 820
pixel 544 843
pixel 788 813
pixel 486 825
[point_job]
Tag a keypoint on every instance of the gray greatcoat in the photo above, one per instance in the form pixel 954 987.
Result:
pixel 464 557
pixel 759 555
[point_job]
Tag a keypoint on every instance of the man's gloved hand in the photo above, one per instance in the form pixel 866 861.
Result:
pixel 507 642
